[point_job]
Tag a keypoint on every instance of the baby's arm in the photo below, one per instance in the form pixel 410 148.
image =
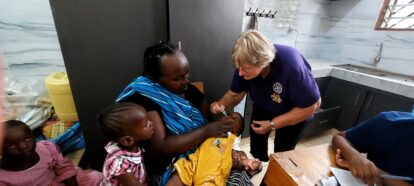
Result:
pixel 175 180
pixel 128 179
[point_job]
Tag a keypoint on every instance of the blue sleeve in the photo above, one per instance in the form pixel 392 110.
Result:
pixel 302 88
pixel 363 136
pixel 238 84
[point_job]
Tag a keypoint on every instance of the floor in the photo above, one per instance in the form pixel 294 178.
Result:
pixel 324 137
pixel 76 156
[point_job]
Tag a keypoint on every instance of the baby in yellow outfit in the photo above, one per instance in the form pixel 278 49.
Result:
pixel 211 163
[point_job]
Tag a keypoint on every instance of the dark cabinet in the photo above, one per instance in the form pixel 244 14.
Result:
pixel 377 102
pixel 323 83
pixel 103 43
pixel 206 38
pixel 325 118
pixel 349 97
pixel 346 104
pixel 359 103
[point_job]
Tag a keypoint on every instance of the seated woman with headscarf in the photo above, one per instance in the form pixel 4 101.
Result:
pixel 173 106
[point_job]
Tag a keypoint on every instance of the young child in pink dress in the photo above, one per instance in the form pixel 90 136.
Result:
pixel 124 125
pixel 26 162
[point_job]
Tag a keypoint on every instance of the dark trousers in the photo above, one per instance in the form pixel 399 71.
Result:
pixel 286 138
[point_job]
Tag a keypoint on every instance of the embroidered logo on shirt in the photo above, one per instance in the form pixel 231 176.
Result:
pixel 277 90
pixel 276 98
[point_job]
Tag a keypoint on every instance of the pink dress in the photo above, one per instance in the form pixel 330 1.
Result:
pixel 51 169
pixel 120 162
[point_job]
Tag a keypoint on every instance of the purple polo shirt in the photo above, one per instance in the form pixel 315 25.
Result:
pixel 290 79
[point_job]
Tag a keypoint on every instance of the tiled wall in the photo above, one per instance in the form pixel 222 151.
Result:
pixel 341 31
pixel 28 39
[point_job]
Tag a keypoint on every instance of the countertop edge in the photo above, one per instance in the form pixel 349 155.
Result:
pixel 325 69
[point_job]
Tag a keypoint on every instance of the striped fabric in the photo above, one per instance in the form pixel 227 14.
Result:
pixel 239 178
pixel 71 140
pixel 179 115
pixel 120 162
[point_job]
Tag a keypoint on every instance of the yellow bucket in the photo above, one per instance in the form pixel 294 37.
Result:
pixel 57 85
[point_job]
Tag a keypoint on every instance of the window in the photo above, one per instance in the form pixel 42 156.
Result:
pixel 396 15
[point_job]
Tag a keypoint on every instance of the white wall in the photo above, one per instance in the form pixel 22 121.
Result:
pixel 28 39
pixel 341 31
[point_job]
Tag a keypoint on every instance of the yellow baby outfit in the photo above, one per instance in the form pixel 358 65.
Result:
pixel 210 164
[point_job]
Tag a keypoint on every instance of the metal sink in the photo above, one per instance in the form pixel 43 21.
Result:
pixel 376 72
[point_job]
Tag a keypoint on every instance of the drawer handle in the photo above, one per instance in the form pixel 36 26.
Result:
pixel 324 121
pixel 369 103
pixel 356 100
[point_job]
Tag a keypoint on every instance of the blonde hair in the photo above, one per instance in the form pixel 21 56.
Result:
pixel 253 48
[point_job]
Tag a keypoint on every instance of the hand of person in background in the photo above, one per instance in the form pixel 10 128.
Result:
pixel 217 107
pixel 340 161
pixel 361 167
pixel 261 127
pixel 218 128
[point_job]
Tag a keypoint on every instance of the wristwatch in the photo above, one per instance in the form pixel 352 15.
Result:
pixel 273 125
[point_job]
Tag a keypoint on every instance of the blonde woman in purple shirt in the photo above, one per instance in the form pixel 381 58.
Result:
pixel 281 85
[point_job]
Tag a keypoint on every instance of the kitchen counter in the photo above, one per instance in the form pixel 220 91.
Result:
pixel 396 85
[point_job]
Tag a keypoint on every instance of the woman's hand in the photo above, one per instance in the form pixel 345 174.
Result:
pixel 229 100
pixel 261 127
pixel 217 107
pixel 217 128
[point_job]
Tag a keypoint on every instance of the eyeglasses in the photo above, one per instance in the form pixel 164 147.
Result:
pixel 245 69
